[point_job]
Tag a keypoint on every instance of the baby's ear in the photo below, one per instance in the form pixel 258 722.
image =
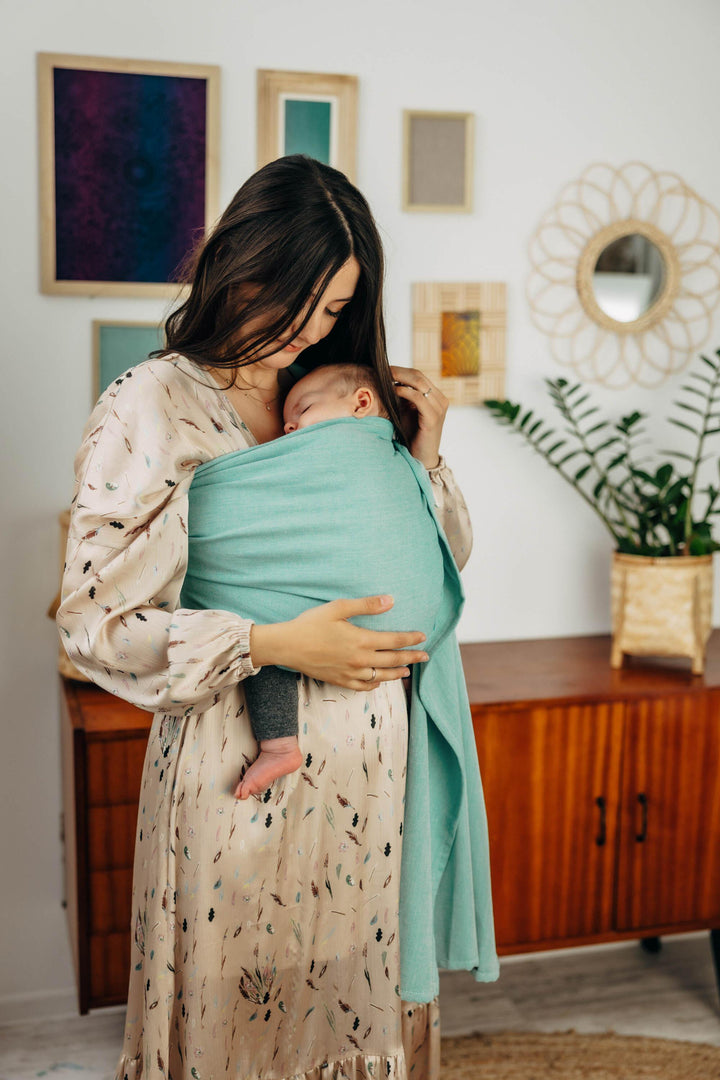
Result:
pixel 363 401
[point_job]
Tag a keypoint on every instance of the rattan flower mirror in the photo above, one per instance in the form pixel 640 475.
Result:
pixel 626 275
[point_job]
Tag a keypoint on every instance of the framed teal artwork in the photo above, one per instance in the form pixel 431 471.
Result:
pixel 305 113
pixel 118 346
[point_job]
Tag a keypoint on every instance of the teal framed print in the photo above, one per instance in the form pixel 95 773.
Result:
pixel 118 346
pixel 305 113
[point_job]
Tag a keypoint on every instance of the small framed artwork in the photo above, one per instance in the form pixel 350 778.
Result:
pixel 459 338
pixel 128 172
pixel 438 161
pixel 118 346
pixel 305 113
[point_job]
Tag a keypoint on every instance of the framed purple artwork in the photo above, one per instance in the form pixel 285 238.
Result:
pixel 128 172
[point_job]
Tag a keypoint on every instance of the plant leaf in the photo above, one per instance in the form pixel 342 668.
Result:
pixel 678 453
pixel 690 408
pixel 703 378
pixel 568 456
pixel 644 476
pixel 694 390
pixel 679 423
pixel 663 475
pixel 608 442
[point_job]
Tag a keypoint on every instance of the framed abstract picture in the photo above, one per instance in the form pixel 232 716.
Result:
pixel 128 172
pixel 118 346
pixel 304 113
pixel 438 161
pixel 459 338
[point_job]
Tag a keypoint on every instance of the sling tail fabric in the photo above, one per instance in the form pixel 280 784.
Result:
pixel 341 509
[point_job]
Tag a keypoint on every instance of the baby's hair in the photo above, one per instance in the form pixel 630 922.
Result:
pixel 350 377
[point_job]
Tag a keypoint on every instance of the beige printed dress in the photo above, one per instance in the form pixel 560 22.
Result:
pixel 264 936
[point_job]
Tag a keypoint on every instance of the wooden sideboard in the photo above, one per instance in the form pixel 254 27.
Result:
pixel 602 789
pixel 103 743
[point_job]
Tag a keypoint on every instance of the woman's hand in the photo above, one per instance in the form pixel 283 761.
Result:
pixel 423 408
pixel 322 644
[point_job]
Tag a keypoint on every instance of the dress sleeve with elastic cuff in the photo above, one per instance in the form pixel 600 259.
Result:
pixel 452 512
pixel 127 553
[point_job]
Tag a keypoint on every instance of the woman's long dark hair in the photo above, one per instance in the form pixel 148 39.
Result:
pixel 290 228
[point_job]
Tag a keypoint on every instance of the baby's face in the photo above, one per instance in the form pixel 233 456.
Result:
pixel 315 397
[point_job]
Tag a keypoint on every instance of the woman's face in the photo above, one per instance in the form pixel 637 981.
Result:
pixel 338 293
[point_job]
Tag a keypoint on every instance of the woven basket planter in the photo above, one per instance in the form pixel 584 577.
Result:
pixel 661 606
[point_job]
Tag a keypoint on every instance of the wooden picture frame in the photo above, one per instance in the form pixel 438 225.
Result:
pixel 459 338
pixel 322 123
pixel 118 345
pixel 129 180
pixel 438 159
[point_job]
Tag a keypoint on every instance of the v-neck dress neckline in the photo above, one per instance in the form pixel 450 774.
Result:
pixel 212 382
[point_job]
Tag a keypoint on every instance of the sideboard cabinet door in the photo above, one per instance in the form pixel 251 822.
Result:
pixel 669 843
pixel 551 778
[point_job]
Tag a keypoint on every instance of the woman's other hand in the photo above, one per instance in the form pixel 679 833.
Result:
pixel 423 409
pixel 322 644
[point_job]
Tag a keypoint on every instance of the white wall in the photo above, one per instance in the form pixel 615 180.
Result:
pixel 555 86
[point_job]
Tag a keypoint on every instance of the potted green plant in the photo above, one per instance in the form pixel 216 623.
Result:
pixel 662 562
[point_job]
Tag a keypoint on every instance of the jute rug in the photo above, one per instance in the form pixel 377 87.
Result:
pixel 567 1055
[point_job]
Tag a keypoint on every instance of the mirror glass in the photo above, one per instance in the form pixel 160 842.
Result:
pixel 628 277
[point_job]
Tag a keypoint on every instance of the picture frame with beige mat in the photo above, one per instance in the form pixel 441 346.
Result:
pixel 438 161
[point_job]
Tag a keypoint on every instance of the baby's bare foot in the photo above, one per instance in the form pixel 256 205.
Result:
pixel 277 757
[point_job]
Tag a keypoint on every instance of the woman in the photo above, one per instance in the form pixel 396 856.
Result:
pixel 265 936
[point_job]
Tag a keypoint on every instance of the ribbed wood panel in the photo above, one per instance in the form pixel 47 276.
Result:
pixel 114 770
pixel 542 770
pixel 672 757
pixel 111 835
pixel 109 968
pixel 110 900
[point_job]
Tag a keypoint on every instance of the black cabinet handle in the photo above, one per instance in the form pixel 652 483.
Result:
pixel 641 837
pixel 601 836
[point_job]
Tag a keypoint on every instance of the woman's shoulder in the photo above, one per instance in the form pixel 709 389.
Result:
pixel 169 398
pixel 152 427
pixel 168 383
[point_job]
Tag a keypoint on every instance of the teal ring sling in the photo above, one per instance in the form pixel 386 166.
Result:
pixel 341 509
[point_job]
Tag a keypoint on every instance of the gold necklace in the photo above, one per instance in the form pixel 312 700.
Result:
pixel 260 401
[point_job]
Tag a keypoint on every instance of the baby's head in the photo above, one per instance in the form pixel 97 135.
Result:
pixel 332 391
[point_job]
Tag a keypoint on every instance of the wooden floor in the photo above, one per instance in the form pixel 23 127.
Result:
pixel 671 994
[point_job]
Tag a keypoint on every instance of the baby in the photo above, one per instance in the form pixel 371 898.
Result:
pixel 326 393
